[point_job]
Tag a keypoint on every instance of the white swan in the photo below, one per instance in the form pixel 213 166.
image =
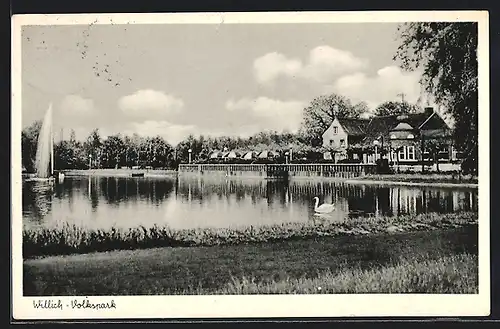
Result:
pixel 324 208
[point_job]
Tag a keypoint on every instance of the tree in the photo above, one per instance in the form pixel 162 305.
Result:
pixel 434 146
pixel 29 141
pixel 183 147
pixel 322 110
pixel 64 154
pixel 93 147
pixel 113 149
pixel 390 108
pixel 447 52
pixel 360 108
pixel 161 152
pixel 72 136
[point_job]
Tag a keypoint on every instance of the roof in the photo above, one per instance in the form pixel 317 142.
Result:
pixel 267 153
pixel 377 126
pixel 428 120
pixel 215 154
pixel 382 125
pixel 435 122
pixel 354 127
pixel 435 133
pixel 403 126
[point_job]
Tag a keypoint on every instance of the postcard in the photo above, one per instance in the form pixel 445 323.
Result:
pixel 250 165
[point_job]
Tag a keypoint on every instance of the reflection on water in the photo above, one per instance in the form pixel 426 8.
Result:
pixel 222 202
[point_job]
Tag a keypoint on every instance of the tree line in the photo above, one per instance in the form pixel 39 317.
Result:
pixel 445 51
pixel 118 150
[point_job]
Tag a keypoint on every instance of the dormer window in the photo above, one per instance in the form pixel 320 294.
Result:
pixel 335 130
pixel 410 136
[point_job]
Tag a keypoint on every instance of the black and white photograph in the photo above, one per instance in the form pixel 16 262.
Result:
pixel 250 164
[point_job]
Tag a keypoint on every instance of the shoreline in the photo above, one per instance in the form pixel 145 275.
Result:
pixel 403 183
pixel 396 179
pixel 72 239
pixel 120 172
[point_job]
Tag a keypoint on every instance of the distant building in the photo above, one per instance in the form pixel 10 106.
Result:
pixel 404 139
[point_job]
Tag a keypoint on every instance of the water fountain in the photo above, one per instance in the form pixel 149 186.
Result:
pixel 44 161
pixel 45 148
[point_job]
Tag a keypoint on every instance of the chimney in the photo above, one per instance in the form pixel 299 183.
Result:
pixel 428 110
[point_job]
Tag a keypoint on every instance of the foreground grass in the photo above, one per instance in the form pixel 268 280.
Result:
pixel 423 178
pixel 448 274
pixel 68 239
pixel 433 261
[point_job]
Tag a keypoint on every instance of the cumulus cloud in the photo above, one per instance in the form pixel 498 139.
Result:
pixel 272 65
pixel 384 86
pixel 74 112
pixel 150 104
pixel 76 105
pixel 276 114
pixel 323 64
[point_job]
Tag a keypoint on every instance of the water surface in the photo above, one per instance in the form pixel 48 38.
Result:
pixel 188 202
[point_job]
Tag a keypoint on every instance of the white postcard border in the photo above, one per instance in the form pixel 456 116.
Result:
pixel 258 305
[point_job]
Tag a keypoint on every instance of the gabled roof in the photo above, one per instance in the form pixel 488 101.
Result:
pixel 416 119
pixel 377 126
pixel 354 127
pixel 381 125
pixel 403 126
pixel 435 121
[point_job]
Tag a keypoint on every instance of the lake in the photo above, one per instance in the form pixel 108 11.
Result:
pixel 189 202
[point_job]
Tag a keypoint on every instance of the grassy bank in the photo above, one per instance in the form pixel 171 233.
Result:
pixel 423 178
pixel 440 261
pixel 68 239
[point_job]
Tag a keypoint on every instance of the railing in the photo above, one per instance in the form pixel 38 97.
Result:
pixel 221 167
pixel 281 170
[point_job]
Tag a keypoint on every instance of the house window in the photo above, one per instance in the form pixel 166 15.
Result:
pixel 427 155
pixel 335 130
pixel 453 153
pixel 402 153
pixel 444 153
pixel 407 153
pixel 410 152
pixel 342 142
pixel 332 142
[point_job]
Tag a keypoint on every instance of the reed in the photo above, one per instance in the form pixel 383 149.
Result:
pixel 69 239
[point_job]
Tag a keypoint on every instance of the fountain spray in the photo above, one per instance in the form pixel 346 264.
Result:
pixel 45 147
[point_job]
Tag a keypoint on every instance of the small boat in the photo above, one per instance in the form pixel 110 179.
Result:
pixel 138 174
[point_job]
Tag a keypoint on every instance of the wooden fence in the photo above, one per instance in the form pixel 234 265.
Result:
pixel 281 170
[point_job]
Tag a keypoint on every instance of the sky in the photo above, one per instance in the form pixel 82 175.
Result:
pixel 213 79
